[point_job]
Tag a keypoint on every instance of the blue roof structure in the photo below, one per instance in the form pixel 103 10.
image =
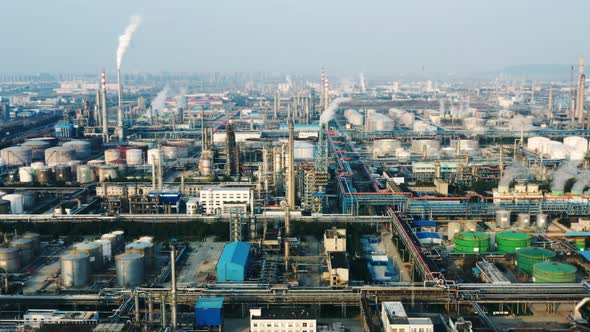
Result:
pixel 233 262
pixel 424 223
pixel 427 235
pixel 209 303
pixel 577 234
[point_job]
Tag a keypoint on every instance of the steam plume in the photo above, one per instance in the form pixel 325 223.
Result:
pixel 159 102
pixel 582 181
pixel 566 171
pixel 125 38
pixel 328 114
pixel 512 172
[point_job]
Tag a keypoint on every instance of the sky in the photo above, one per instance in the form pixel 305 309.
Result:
pixel 292 36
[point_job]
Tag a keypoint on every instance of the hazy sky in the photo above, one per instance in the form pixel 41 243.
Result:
pixel 388 36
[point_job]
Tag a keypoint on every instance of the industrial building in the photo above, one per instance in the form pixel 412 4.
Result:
pixel 282 319
pixel 394 318
pixel 232 265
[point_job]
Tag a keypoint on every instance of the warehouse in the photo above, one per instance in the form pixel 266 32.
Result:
pixel 233 262
pixel 208 311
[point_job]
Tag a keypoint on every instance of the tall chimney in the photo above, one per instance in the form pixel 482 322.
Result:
pixel 580 94
pixel 105 121
pixel 550 106
pixel 291 171
pixel 120 130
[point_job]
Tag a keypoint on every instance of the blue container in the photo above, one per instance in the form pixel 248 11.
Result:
pixel 233 262
pixel 208 311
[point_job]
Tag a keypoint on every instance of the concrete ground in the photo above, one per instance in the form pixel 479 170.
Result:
pixel 393 252
pixel 312 278
pixel 201 261
pixel 46 265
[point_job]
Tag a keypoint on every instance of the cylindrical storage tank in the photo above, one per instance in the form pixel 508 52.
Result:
pixel 554 272
pixel 472 242
pixel 59 155
pixel 28 200
pixel 83 148
pixel 85 174
pixel 144 248
pixel 106 249
pixel 25 174
pixel 36 239
pixel 37 165
pixel 303 150
pixel 130 269
pixel 37 148
pixel 464 144
pixel 107 172
pixel 44 175
pixel 527 257
pixel 120 237
pixel 63 173
pixel 581 244
pixel 542 220
pixel 152 156
pixel 17 203
pixel 134 157
pixel 111 155
pixel 385 147
pixel 509 241
pixel 576 143
pixel 173 152
pixel 75 267
pixel 379 122
pixel 115 245
pixel 502 218
pixel 9 260
pixel 453 228
pixel 95 163
pixel 4 206
pixel 25 249
pixel 353 117
pixel 432 146
pixel 51 141
pixel 17 155
pixel 94 250
pixel 524 220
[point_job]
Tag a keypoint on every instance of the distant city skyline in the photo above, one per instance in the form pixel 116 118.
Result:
pixel 377 37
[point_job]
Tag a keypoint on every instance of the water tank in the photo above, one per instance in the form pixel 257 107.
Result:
pixel 134 157
pixel 107 172
pixel 542 221
pixel 502 218
pixel 25 174
pixel 130 269
pixel 37 148
pixel 524 220
pixel 83 148
pixel 36 239
pixel 17 203
pixel 509 241
pixel 4 206
pixel 144 248
pixel 385 147
pixel 17 155
pixel 85 174
pixel 75 267
pixel 527 257
pixel 59 155
pixel 472 242
pixel 105 249
pixel 9 260
pixel 452 229
pixel 44 175
pixel 63 173
pixel 94 251
pixel 25 249
pixel 111 155
pixel 554 272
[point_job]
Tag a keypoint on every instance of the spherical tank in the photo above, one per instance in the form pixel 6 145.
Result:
pixel 107 172
pixel 542 220
pixel 9 260
pixel 472 242
pixel 524 220
pixel 4 206
pixel 509 241
pixel 94 250
pixel 37 148
pixel 75 267
pixel 85 174
pixel 554 272
pixel 144 248
pixel 83 148
pixel 130 269
pixel 44 175
pixel 134 157
pixel 17 203
pixel 17 155
pixel 36 239
pixel 111 155
pixel 63 173
pixel 25 249
pixel 502 218
pixel 25 174
pixel 59 155
pixel 527 257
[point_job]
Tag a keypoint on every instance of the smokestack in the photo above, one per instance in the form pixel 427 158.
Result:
pixel 173 287
pixel 291 173
pixel 326 93
pixel 580 95
pixel 105 121
pixel 120 129
pixel 550 106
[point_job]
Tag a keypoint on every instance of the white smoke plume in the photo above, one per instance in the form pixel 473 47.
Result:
pixel 512 172
pixel 125 38
pixel 181 98
pixel 328 114
pixel 582 181
pixel 159 102
pixel 567 170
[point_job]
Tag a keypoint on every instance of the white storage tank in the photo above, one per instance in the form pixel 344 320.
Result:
pixel 303 150
pixel 17 155
pixel 130 269
pixel 75 267
pixel 111 155
pixel 502 218
pixel 37 165
pixel 524 220
pixel 25 249
pixel 152 156
pixel 106 249
pixel 35 239
pixel 25 174
pixel 83 148
pixel 542 221
pixel 453 228
pixel 95 163
pixel 28 199
pixel 37 148
pixel 538 144
pixel 134 157
pixel 173 152
pixel 353 117
pixel 9 260
pixel 59 155
pixel 17 203
pixel 107 172
pixel 85 174
pixel 432 146
pixel 379 122
pixel 144 248
pixel 94 250
pixel 464 144
pixel 385 147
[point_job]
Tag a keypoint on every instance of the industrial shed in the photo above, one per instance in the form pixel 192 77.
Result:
pixel 233 262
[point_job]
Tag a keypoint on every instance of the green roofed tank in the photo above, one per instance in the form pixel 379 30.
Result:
pixel 472 242
pixel 554 272
pixel 527 257
pixel 509 241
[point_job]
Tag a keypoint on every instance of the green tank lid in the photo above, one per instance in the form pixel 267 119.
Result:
pixel 527 257
pixel 509 241
pixel 472 242
pixel 554 272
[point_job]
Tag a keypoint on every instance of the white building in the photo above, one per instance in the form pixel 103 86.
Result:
pixel 36 317
pixel 338 268
pixel 281 320
pixel 334 240
pixel 193 206
pixel 226 200
pixel 395 319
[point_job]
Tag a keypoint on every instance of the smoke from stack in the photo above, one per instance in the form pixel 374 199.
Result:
pixel 582 181
pixel 566 171
pixel 159 102
pixel 125 38
pixel 329 113
pixel 513 172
